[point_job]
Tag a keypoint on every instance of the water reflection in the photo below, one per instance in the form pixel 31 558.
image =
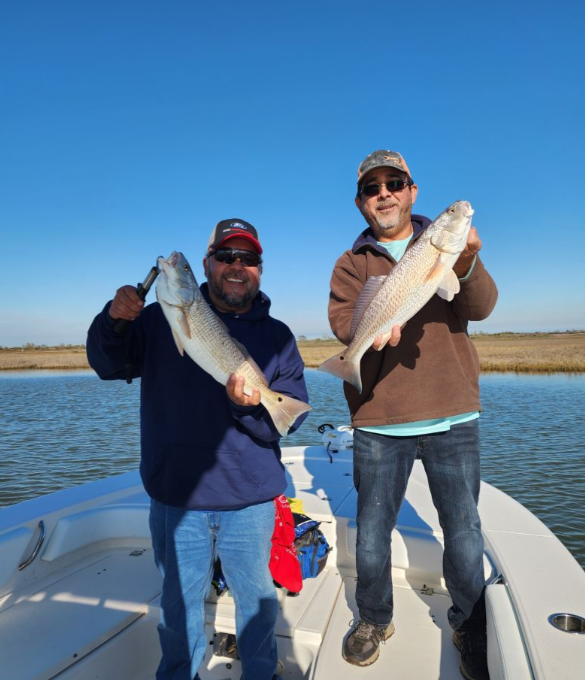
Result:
pixel 46 373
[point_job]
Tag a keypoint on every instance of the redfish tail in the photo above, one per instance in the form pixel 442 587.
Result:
pixel 348 370
pixel 284 411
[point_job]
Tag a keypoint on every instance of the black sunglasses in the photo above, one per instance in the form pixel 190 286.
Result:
pixel 373 189
pixel 230 255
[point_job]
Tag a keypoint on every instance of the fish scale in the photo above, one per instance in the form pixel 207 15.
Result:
pixel 212 348
pixel 421 272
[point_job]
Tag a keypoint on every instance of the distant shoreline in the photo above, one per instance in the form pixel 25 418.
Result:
pixel 514 352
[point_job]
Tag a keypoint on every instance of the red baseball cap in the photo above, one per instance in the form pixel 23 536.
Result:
pixel 233 228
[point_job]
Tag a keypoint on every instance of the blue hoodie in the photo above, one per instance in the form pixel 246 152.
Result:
pixel 199 450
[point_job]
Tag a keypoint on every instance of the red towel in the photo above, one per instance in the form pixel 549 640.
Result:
pixel 284 564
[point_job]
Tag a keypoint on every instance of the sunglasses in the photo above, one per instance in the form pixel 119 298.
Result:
pixel 230 255
pixel 373 189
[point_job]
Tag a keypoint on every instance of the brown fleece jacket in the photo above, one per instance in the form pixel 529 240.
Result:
pixel 434 370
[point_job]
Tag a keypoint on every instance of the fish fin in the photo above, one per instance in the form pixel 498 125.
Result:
pixel 184 325
pixel 251 361
pixel 368 293
pixel 385 339
pixel 346 370
pixel 438 271
pixel 449 286
pixel 284 411
pixel 178 342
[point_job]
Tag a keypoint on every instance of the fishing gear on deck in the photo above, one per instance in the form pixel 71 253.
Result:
pixel 121 325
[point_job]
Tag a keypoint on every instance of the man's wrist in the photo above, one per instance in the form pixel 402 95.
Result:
pixel 464 269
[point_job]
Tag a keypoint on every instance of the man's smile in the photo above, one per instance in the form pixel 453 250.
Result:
pixel 386 207
pixel 235 279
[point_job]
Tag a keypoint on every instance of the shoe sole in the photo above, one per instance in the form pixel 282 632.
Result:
pixel 464 674
pixel 368 662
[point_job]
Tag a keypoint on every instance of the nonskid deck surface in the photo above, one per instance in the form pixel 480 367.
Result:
pixel 310 629
pixel 71 615
pixel 420 649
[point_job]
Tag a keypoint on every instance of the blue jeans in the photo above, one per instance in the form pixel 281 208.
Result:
pixel 382 466
pixel 186 544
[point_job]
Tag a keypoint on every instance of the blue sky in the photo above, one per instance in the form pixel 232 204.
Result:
pixel 128 129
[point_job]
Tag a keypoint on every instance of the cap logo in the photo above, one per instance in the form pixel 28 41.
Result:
pixel 238 225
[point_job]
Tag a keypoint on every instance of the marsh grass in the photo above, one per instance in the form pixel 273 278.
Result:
pixel 315 352
pixel 517 352
pixel 24 358
pixel 532 353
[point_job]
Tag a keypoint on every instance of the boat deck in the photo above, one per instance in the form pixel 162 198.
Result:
pixel 88 605
pixel 420 648
pixel 95 595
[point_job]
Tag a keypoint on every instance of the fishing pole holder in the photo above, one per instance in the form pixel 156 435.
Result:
pixel 336 439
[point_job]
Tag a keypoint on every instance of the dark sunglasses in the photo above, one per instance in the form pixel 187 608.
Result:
pixel 373 189
pixel 230 255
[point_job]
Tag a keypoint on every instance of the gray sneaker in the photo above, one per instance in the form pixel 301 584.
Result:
pixel 361 647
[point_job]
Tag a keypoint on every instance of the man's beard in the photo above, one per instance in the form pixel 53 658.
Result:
pixel 384 225
pixel 382 229
pixel 232 301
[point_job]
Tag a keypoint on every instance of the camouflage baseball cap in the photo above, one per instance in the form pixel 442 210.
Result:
pixel 231 228
pixel 381 159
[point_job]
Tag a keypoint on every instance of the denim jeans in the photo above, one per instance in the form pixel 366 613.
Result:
pixel 382 466
pixel 186 543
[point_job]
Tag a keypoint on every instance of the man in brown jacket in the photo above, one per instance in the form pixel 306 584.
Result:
pixel 420 399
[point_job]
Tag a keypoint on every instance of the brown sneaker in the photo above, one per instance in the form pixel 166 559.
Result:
pixel 361 647
pixel 473 648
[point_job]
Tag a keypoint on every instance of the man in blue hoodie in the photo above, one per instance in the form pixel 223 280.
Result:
pixel 210 455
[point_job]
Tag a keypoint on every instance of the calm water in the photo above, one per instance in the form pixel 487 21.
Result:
pixel 61 429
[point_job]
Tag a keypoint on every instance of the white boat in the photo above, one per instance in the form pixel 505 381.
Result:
pixel 79 592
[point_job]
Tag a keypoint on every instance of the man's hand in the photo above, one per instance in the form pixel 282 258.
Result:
pixel 235 391
pixel 472 247
pixel 392 338
pixel 126 305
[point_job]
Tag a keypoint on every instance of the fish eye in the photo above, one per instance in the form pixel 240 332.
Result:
pixel 186 267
